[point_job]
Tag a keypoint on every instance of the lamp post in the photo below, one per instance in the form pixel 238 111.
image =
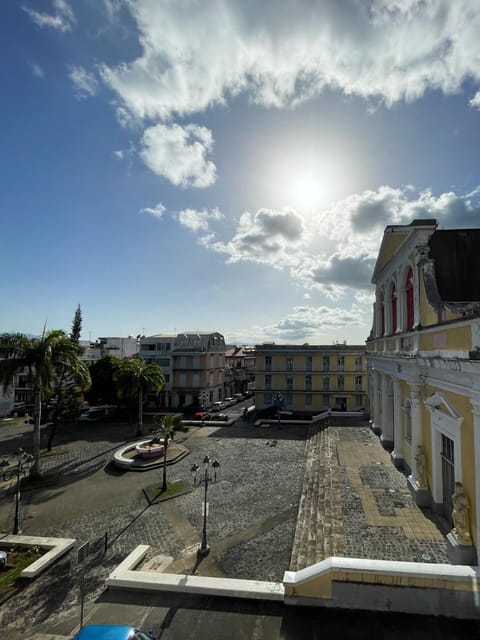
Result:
pixel 22 459
pixel 204 548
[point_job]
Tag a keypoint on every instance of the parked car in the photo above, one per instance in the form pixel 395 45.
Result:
pixel 248 393
pixel 111 632
pixel 192 409
pixel 217 406
pixel 228 402
pixel 95 414
pixel 222 417
pixel 239 397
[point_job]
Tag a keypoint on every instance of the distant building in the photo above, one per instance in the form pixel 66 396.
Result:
pixel 239 368
pixel 310 378
pixel 423 359
pixel 113 346
pixel 193 365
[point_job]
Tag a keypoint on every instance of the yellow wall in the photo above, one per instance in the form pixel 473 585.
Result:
pixel 428 315
pixel 456 338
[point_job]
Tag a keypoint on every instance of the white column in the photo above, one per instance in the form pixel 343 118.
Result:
pixel 476 444
pixel 397 453
pixel 387 426
pixel 377 419
pixel 416 418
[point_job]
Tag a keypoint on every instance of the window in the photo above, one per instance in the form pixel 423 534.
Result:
pixel 148 347
pixel 196 379
pixel 358 382
pixel 182 379
pixel 326 400
pixel 268 381
pixel 358 363
pixel 289 364
pixel 340 363
pixel 326 363
pixel 393 301
pixel 308 363
pixel 326 384
pixel 167 377
pixel 409 299
pixel 340 383
pixel 267 398
pixel 268 363
pixel 308 398
pixel 289 384
pixel 308 383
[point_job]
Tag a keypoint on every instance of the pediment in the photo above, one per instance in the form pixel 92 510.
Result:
pixel 437 401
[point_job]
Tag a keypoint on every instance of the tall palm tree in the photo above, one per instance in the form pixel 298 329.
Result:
pixel 134 378
pixel 43 358
pixel 167 426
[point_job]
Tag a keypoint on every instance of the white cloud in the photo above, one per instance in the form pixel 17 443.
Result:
pixel 63 18
pixel 380 50
pixel 335 250
pixel 157 211
pixel 37 70
pixel 84 82
pixel 179 154
pixel 475 101
pixel 198 220
pixel 312 324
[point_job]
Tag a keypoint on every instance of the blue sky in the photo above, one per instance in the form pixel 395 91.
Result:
pixel 216 165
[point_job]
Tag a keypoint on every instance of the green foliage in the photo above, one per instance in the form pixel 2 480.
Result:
pixel 104 386
pixel 76 326
pixel 166 427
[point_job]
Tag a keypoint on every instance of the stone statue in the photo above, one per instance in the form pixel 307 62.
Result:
pixel 421 468
pixel 461 516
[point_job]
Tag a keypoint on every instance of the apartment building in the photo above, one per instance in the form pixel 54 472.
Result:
pixel 157 349
pixel 423 358
pixel 114 346
pixel 239 368
pixel 311 378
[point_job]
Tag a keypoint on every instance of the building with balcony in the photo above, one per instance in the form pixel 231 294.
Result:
pixel 198 368
pixel 239 369
pixel 423 359
pixel 311 378
pixel 157 349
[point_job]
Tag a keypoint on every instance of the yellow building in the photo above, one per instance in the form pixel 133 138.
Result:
pixel 424 369
pixel 310 378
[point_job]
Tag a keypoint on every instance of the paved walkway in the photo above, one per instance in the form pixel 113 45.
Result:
pixel 355 503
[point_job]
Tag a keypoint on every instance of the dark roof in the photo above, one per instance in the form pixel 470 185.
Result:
pixel 456 254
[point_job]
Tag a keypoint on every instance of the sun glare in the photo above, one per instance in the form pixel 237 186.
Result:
pixel 306 192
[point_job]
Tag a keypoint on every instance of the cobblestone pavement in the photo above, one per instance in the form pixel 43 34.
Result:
pixel 351 501
pixel 375 515
pixel 252 513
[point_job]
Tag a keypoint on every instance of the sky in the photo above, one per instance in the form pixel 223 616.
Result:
pixel 217 165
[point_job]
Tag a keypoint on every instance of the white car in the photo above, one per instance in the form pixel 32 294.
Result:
pixel 217 406
pixel 229 401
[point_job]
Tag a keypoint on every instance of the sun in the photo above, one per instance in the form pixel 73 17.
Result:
pixel 306 192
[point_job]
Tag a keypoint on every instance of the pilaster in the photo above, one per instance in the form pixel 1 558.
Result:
pixel 397 453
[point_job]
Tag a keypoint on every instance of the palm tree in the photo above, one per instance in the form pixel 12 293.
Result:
pixel 43 358
pixel 136 376
pixel 167 426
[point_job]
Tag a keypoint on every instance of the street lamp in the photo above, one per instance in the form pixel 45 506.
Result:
pixel 204 549
pixel 23 458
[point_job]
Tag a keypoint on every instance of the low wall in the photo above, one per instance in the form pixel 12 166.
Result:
pixel 381 585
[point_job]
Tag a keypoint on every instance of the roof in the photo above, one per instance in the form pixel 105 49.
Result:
pixel 103 632
pixel 456 259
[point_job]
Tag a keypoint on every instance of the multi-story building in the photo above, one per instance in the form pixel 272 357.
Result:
pixel 198 368
pixel 239 368
pixel 158 350
pixel 424 367
pixel 311 378
pixel 113 346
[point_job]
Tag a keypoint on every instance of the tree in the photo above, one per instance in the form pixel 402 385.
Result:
pixel 104 386
pixel 167 426
pixel 133 378
pixel 76 325
pixel 43 358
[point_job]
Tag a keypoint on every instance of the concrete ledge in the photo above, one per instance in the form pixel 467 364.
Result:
pixel 125 578
pixel 57 548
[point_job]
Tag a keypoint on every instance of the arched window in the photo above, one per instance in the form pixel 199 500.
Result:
pixel 393 301
pixel 409 299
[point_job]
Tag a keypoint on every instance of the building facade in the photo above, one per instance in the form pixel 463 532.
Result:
pixel 112 346
pixel 193 365
pixel 311 378
pixel 239 369
pixel 423 358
